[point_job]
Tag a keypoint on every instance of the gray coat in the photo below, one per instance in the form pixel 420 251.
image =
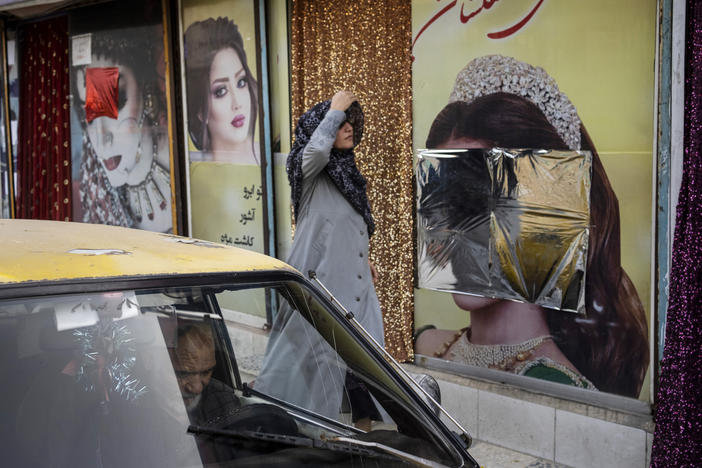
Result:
pixel 331 238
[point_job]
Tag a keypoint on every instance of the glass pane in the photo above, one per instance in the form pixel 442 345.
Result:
pixel 314 364
pixel 88 381
pixel 147 378
pixel 527 244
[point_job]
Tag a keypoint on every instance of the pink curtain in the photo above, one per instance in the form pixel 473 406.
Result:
pixel 678 415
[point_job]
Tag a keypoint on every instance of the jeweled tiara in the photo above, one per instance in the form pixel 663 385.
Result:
pixel 494 73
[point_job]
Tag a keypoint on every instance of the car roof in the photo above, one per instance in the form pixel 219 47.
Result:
pixel 43 251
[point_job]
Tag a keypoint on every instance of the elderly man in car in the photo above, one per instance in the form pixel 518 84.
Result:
pixel 193 357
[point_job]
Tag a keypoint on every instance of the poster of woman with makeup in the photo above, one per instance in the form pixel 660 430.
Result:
pixel 225 167
pixel 224 153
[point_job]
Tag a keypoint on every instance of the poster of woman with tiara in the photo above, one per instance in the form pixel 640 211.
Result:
pixel 536 127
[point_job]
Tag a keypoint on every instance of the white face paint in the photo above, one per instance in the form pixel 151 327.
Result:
pixel 116 141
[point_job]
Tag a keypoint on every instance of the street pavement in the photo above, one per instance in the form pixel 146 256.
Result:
pixel 492 456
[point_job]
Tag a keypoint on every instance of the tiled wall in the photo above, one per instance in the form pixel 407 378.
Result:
pixel 564 437
pixel 548 432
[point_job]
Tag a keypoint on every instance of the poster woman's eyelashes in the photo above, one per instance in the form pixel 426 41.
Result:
pixel 221 86
pixel 220 90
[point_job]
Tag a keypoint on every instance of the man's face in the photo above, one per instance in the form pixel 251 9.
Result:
pixel 193 363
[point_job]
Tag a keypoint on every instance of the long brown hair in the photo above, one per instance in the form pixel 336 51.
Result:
pixel 203 40
pixel 609 345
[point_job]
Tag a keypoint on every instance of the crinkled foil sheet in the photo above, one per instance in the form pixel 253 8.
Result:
pixel 507 224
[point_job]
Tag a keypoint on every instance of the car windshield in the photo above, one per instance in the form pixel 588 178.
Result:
pixel 181 377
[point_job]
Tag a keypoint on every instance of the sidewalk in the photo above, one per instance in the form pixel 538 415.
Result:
pixel 492 456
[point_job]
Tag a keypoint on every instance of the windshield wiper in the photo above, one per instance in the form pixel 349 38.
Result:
pixel 303 413
pixel 342 446
pixel 413 459
pixel 335 444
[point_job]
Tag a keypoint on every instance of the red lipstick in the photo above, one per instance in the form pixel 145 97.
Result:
pixel 238 121
pixel 112 163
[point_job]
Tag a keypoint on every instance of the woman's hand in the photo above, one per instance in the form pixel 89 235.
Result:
pixel 374 272
pixel 342 100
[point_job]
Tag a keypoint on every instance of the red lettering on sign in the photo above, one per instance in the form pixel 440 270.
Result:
pixel 464 18
pixel 432 19
pixel 509 31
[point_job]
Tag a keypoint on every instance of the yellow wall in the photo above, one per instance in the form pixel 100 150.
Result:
pixel 279 72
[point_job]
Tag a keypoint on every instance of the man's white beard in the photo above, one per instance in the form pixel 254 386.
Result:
pixel 193 402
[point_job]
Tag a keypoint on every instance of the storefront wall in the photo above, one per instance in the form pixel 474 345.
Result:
pixel 606 70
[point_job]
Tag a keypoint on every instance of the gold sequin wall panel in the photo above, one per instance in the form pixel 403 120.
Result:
pixel 364 46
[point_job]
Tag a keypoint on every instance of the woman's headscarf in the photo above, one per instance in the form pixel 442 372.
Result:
pixel 342 167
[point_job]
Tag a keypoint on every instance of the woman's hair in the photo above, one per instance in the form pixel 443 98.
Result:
pixel 609 345
pixel 203 40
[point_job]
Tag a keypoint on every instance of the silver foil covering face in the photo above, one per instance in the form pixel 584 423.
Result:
pixel 507 224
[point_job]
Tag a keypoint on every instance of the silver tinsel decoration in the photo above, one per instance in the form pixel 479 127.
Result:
pixel 113 342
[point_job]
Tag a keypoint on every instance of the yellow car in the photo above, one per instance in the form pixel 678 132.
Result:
pixel 127 348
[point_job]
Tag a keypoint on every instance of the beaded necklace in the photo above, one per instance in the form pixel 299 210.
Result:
pixel 499 356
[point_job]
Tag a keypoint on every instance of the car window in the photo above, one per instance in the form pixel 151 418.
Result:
pixel 312 362
pixel 167 377
pixel 88 380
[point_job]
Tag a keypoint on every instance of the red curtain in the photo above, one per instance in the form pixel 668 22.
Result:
pixel 44 150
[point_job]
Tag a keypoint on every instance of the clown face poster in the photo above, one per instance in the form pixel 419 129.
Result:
pixel 119 119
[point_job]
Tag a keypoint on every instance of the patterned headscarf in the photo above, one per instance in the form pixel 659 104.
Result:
pixel 341 168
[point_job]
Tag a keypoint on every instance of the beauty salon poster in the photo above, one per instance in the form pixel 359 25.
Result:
pixel 121 159
pixel 226 193
pixel 601 56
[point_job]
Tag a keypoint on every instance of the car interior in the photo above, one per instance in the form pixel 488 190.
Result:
pixel 77 381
